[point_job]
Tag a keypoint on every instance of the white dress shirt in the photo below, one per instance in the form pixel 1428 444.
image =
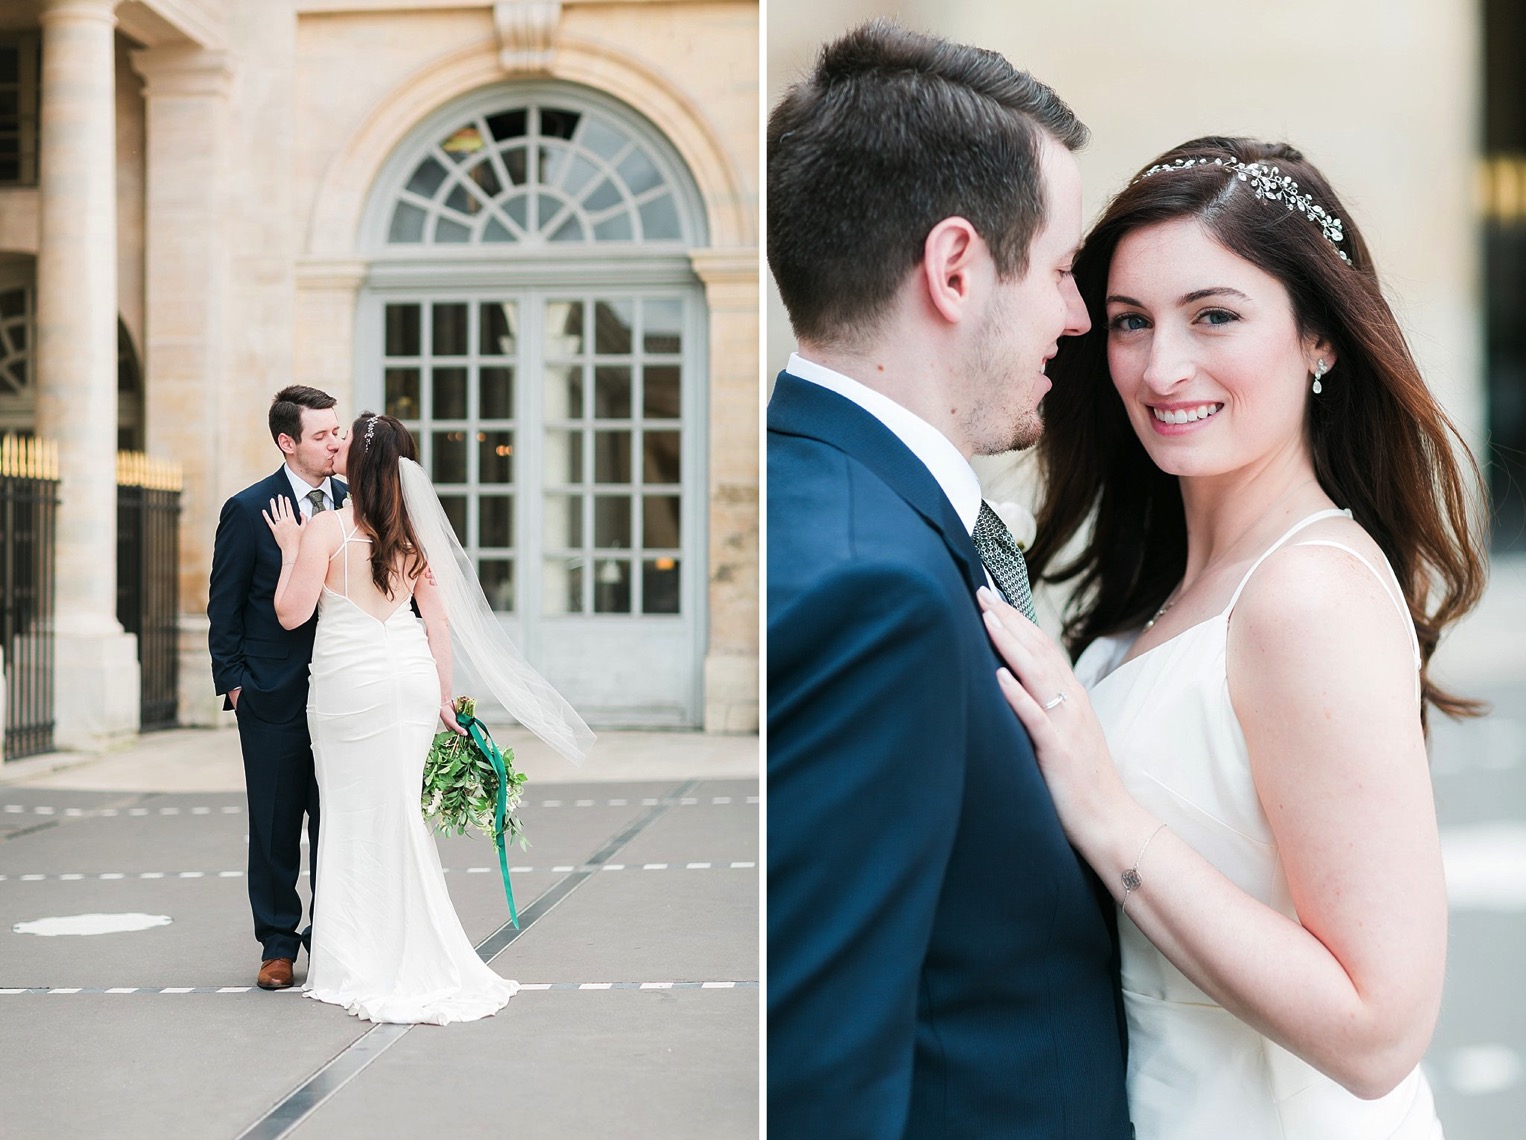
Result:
pixel 301 489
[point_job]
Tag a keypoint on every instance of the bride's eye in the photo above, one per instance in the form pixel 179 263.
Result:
pixel 1218 317
pixel 1127 322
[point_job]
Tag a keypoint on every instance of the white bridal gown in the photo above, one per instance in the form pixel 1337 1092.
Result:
pixel 1196 1072
pixel 386 944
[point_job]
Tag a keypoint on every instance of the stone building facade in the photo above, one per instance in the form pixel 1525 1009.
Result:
pixel 527 228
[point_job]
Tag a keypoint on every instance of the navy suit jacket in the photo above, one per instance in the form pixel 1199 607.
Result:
pixel 941 963
pixel 250 650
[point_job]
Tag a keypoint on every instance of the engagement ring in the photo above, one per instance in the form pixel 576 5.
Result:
pixel 1058 697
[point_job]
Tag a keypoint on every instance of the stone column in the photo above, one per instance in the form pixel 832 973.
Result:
pixel 186 96
pixel 97 677
pixel 731 659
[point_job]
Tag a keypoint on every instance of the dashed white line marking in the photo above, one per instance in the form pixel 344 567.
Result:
pixel 559 869
pixel 81 813
pixel 540 986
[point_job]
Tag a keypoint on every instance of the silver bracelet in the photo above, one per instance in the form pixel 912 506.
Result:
pixel 1131 879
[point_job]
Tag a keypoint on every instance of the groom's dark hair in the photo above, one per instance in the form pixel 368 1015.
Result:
pixel 889 134
pixel 286 409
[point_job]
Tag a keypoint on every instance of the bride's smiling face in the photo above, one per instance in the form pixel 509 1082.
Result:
pixel 1205 352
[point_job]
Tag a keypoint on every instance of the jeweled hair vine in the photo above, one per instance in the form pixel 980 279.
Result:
pixel 1268 182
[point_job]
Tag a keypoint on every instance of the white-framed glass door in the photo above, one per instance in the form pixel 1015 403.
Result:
pixel 530 312
pixel 557 425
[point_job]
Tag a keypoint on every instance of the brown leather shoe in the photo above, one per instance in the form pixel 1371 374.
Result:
pixel 275 974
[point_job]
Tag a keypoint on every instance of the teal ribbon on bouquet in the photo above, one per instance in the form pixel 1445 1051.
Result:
pixel 484 740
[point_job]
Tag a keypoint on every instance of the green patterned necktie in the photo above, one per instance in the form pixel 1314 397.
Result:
pixel 1004 559
pixel 315 496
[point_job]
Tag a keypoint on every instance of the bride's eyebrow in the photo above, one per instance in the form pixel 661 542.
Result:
pixel 1195 295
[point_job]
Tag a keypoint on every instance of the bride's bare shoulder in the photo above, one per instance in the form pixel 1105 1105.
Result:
pixel 1328 594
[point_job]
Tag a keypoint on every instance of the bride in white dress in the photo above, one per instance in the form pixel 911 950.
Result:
pixel 387 944
pixel 1259 456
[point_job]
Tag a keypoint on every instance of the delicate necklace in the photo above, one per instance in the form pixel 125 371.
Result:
pixel 1160 613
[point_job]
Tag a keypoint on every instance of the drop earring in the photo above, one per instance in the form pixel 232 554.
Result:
pixel 1320 368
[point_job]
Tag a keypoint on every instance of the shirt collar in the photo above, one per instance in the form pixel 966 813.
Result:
pixel 936 451
pixel 300 489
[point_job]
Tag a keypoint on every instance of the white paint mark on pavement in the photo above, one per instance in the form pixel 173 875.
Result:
pixel 1479 1069
pixel 91 924
pixel 1485 866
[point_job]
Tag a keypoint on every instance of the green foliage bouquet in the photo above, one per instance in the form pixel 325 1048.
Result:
pixel 461 784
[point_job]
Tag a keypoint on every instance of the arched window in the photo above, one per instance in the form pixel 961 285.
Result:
pixel 532 315
pixel 536 174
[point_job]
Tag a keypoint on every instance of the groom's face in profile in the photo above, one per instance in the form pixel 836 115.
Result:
pixel 1028 315
pixel 313 455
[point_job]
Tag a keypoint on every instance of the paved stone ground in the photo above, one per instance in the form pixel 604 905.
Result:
pixel 1477 1059
pixel 638 953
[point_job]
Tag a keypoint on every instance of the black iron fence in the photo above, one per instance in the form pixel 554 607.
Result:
pixel 148 569
pixel 28 505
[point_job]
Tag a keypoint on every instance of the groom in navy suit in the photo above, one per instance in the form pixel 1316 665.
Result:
pixel 940 962
pixel 262 668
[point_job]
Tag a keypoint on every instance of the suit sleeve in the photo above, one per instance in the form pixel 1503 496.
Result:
pixel 866 746
pixel 233 553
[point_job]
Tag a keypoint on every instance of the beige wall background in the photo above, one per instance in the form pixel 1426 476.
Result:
pixel 1383 95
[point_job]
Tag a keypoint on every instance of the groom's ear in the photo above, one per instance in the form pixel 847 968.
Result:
pixel 950 257
pixel 287 445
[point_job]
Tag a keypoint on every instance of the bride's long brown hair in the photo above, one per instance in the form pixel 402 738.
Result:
pixel 376 496
pixel 1381 444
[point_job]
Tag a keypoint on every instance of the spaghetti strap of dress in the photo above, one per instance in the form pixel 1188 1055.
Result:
pixel 1388 581
pixel 347 536
pixel 1308 520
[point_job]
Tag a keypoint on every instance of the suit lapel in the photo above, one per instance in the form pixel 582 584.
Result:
pixel 801 408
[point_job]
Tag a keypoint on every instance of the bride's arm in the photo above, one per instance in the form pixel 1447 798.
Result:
pixel 1325 693
pixel 305 549
pixel 437 630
